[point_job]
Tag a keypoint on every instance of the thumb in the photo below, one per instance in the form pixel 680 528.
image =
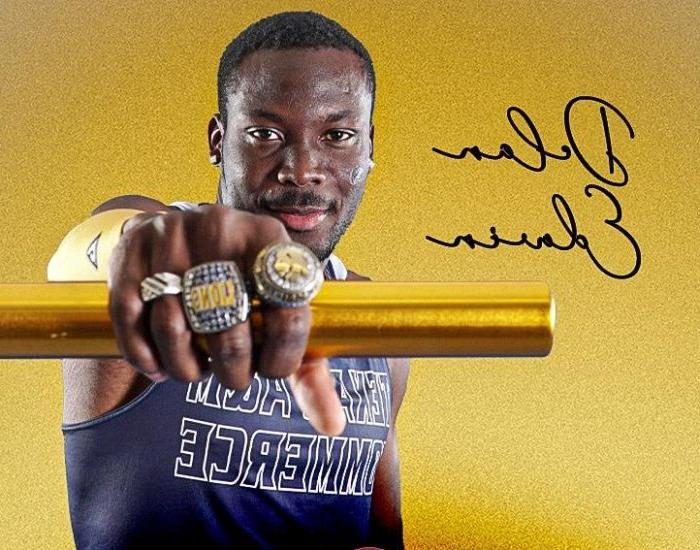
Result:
pixel 313 387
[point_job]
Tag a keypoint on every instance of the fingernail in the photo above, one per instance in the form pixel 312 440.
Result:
pixel 158 377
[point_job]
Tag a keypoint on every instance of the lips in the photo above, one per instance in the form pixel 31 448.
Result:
pixel 300 219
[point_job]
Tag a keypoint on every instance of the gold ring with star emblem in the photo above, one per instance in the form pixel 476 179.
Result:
pixel 287 274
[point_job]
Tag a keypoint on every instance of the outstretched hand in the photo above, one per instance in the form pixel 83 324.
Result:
pixel 156 338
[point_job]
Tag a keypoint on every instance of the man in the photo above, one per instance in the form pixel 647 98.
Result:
pixel 250 444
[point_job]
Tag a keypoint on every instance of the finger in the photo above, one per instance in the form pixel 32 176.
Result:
pixel 127 310
pixel 285 330
pixel 174 340
pixel 313 387
pixel 230 350
pixel 139 219
pixel 285 336
pixel 231 353
pixel 168 326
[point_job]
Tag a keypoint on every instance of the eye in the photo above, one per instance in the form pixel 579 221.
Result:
pixel 265 134
pixel 337 135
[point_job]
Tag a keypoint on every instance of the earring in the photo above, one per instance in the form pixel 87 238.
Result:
pixel 371 164
pixel 214 160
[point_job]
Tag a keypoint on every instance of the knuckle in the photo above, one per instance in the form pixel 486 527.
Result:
pixel 142 231
pixel 170 250
pixel 125 246
pixel 135 224
pixel 285 343
pixel 213 222
pixel 208 209
pixel 168 326
pixel 234 347
pixel 289 338
pixel 292 330
pixel 168 224
pixel 124 310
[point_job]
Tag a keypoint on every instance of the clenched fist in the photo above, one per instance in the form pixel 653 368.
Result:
pixel 155 337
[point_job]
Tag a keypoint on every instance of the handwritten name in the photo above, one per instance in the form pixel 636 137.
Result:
pixel 616 176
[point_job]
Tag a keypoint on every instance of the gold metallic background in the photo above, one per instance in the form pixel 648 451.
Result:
pixel 597 446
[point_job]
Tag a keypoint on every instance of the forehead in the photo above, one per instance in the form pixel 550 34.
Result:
pixel 301 81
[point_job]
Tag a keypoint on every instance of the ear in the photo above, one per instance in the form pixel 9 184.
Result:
pixel 215 134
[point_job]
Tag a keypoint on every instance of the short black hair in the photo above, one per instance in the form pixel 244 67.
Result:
pixel 285 31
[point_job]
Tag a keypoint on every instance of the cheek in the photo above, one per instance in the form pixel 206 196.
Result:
pixel 243 169
pixel 233 171
pixel 353 187
pixel 234 168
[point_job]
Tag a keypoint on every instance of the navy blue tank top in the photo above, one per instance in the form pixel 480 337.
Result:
pixel 203 465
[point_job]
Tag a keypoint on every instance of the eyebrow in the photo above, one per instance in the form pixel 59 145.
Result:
pixel 336 117
pixel 259 113
pixel 333 117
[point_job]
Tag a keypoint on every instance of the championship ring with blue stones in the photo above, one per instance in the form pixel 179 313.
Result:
pixel 214 297
pixel 287 274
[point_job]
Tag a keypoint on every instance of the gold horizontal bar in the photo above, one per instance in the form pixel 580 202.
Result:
pixel 349 319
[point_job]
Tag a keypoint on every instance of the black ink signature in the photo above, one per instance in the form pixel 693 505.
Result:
pixel 568 222
pixel 533 139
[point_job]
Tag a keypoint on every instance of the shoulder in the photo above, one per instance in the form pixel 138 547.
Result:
pixel 138 202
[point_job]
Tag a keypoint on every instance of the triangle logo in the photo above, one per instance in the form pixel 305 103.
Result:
pixel 92 250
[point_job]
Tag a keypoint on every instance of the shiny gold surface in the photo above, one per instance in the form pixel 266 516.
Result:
pixel 391 319
pixel 433 319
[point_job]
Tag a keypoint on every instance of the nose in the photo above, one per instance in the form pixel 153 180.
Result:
pixel 301 166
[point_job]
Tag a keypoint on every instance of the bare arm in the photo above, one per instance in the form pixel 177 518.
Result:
pixel 92 387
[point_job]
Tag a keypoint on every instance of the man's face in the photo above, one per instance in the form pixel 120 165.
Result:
pixel 298 141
